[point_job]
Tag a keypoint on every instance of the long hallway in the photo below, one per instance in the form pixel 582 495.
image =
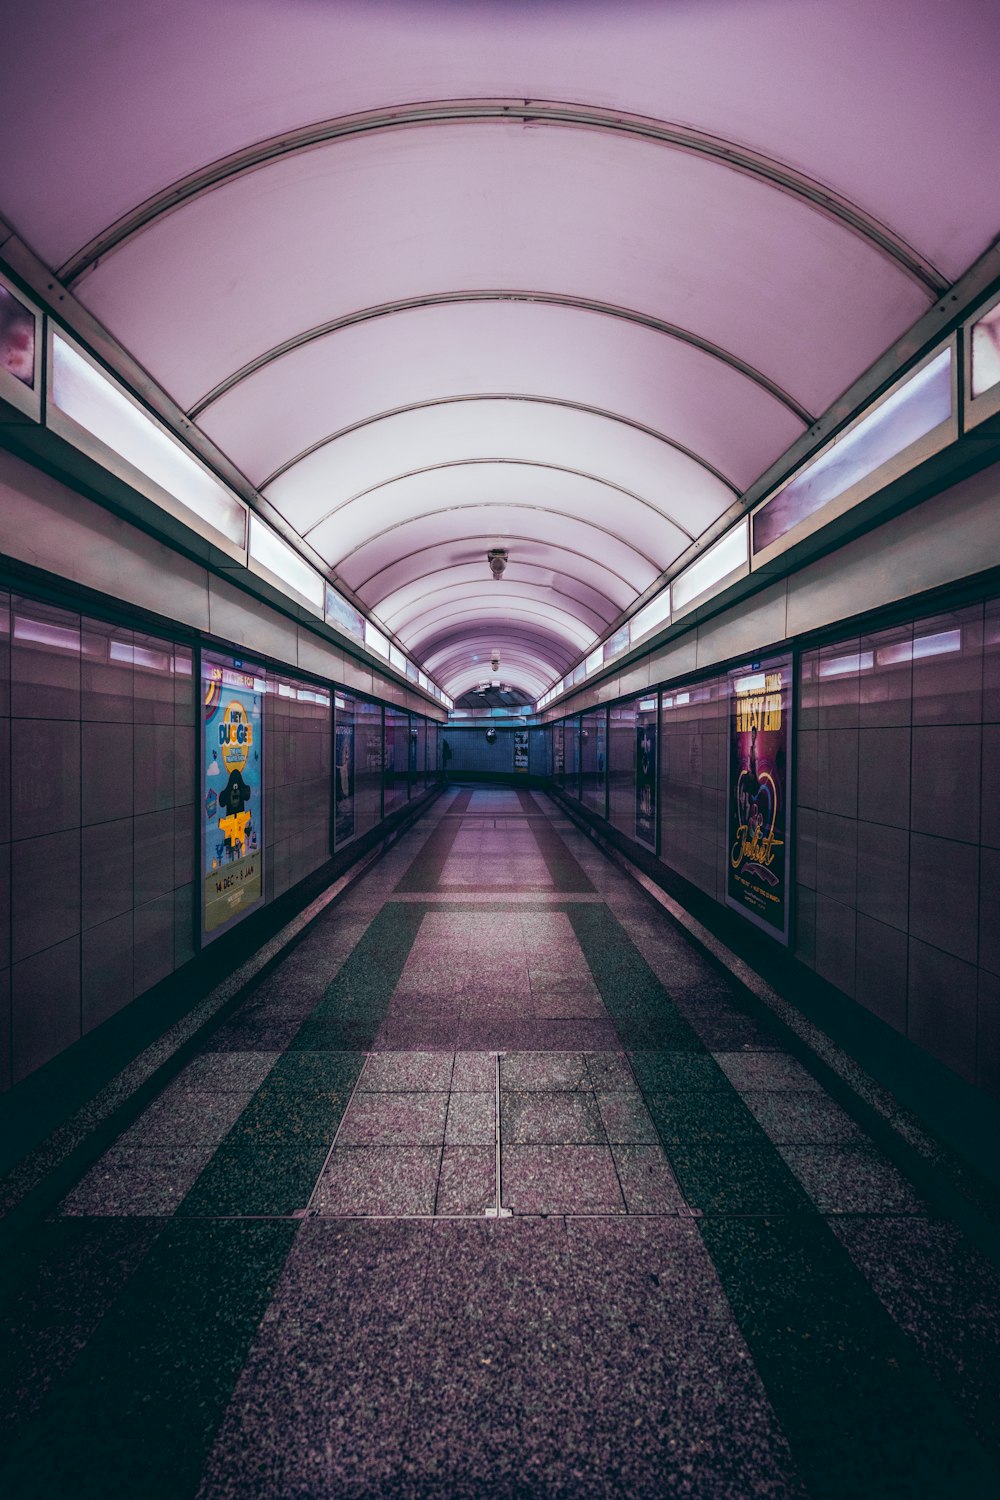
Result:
pixel 496 1184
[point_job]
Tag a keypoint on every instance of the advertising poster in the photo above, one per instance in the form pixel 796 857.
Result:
pixel 757 865
pixel 558 753
pixel 645 781
pixel 343 773
pixel 520 749
pixel 232 801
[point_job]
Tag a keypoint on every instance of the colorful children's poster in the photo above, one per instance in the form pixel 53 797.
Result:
pixel 757 861
pixel 232 786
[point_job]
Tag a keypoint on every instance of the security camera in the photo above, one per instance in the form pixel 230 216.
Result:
pixel 497 559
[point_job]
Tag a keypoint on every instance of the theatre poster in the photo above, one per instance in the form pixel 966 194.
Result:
pixel 232 791
pixel 520 749
pixel 758 831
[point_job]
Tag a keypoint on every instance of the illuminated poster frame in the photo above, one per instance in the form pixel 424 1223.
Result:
pixel 520 749
pixel 758 821
pixel 232 792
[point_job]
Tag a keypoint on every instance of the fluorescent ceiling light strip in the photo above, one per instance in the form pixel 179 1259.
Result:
pixel 95 402
pixel 272 552
pixel 724 557
pixel 655 613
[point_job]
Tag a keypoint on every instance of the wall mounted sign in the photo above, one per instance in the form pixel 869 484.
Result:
pixel 645 779
pixel 520 749
pixel 757 859
pixel 232 792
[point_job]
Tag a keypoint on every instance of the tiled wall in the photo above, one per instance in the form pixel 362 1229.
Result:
pixel 97 788
pixel 297 785
pixel 898 830
pixel 693 727
pixel 593 759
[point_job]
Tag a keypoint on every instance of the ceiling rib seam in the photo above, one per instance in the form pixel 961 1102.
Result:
pixel 536 112
pixel 581 406
pixel 558 593
pixel 545 299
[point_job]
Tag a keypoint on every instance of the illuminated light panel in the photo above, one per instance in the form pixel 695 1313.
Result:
pixel 647 705
pixel 376 641
pixel 344 616
pixel 594 661
pixel 95 403
pixel 755 683
pixel 986 352
pixel 271 552
pixel 396 658
pixel 653 614
pixel 724 557
pixel 919 405
pixel 847 666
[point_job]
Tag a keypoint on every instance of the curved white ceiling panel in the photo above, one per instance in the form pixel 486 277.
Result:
pixel 545 503
pixel 893 105
pixel 462 558
pixel 465 206
pixel 529 431
pixel 512 597
pixel 471 649
pixel 436 353
pixel 482 611
pixel 523 580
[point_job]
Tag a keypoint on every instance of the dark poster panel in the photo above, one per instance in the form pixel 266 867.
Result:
pixel 232 791
pixel 343 771
pixel 645 779
pixel 757 862
pixel 520 749
pixel 558 753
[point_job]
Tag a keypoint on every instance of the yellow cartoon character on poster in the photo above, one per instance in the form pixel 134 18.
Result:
pixel 235 740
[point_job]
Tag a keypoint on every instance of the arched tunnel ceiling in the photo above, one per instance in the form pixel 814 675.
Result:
pixel 560 277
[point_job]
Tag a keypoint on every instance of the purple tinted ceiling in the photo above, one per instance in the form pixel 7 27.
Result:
pixel 693 316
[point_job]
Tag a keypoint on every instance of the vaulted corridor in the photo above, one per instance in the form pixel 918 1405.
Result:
pixel 495 1182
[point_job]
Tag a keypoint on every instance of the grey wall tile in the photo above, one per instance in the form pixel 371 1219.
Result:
pixel 948 668
pixel 880 984
pixel 988 1035
pixel 185 755
pixel 154 942
pixel 44 661
pixel 807 769
pixel 989 910
pixel 944 792
pixel 6 1078
pixel 4 653
pixel 186 853
pixel 45 776
pixel 837 772
pixel 942 1003
pixel 107 761
pixel 944 894
pixel 106 870
pixel 153 855
pixel 884 874
pixel 840 685
pixel 5 784
pixel 44 892
pixel 106 961
pixel 45 1006
pixel 805 848
pixel 185 897
pixel 153 680
pixel 154 767
pixel 4 906
pixel 990 802
pixel 106 688
pixel 884 776
pixel 835 942
pixel 837 857
pixel 886 685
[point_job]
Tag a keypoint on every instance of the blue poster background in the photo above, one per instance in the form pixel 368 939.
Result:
pixel 232 792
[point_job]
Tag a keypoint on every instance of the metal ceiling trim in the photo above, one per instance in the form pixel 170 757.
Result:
pixel 516 463
pixel 432 401
pixel 591 305
pixel 728 154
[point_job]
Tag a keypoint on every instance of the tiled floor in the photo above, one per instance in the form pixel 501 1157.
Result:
pixel 495 1186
